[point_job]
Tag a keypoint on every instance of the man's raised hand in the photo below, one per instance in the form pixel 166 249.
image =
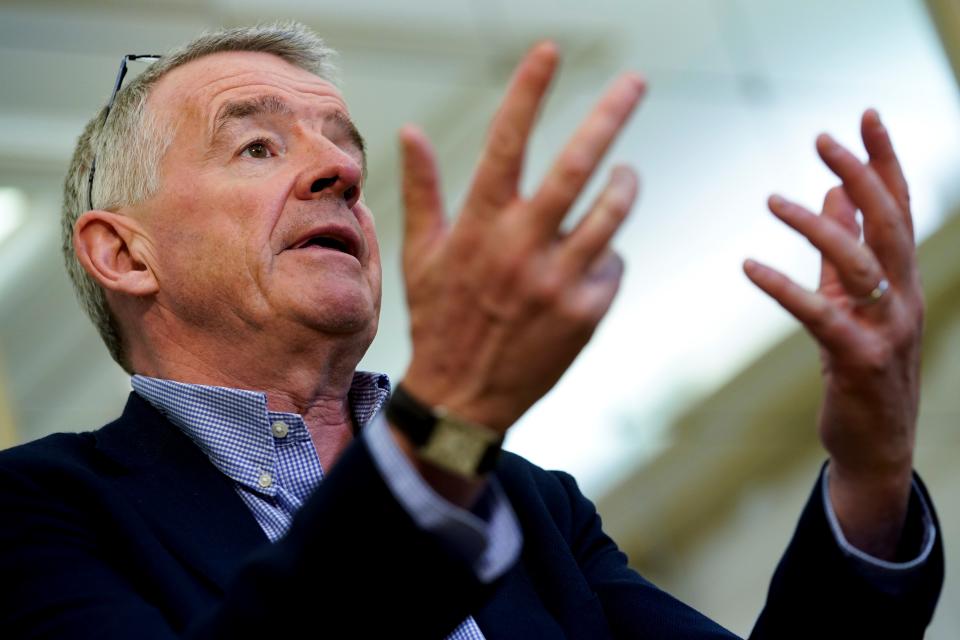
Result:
pixel 501 301
pixel 867 316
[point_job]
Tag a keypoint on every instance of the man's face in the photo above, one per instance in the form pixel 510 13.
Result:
pixel 258 223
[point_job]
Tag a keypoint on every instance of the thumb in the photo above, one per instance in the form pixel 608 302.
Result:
pixel 424 220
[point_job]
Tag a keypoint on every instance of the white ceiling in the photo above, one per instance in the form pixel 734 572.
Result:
pixel 739 89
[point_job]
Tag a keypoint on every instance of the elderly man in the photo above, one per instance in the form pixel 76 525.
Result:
pixel 215 228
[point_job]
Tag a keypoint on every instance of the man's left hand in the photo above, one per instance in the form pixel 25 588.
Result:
pixel 867 316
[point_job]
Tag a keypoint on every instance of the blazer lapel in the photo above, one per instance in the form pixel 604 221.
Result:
pixel 192 507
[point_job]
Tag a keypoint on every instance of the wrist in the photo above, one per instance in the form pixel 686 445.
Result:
pixel 461 491
pixel 440 439
pixel 890 482
pixel 471 401
pixel 870 508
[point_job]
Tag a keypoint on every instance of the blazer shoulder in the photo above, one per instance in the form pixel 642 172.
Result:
pixel 535 491
pixel 518 472
pixel 59 455
pixel 54 450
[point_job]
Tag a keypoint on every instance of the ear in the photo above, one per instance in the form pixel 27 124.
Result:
pixel 113 249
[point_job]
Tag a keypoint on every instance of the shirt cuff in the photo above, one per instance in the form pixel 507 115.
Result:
pixel 491 544
pixel 876 568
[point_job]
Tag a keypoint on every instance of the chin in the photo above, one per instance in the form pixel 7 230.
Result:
pixel 339 314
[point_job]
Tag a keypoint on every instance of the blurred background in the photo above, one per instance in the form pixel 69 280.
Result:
pixel 690 418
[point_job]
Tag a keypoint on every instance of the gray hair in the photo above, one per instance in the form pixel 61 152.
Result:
pixel 129 146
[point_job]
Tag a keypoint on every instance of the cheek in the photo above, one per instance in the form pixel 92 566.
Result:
pixel 214 230
pixel 367 226
pixel 190 267
pixel 207 256
pixel 223 220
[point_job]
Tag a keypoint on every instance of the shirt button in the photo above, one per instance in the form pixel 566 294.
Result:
pixel 280 429
pixel 265 480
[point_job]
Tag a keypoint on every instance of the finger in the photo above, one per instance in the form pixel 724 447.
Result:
pixel 884 161
pixel 838 207
pixel 883 227
pixel 497 177
pixel 423 204
pixel 592 235
pixel 592 297
pixel 814 311
pixel 856 266
pixel 583 153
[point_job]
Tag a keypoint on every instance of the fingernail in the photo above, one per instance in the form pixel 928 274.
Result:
pixel 547 47
pixel 409 131
pixel 826 142
pixel 749 265
pixel 827 147
pixel 621 183
pixel 775 200
pixel 639 82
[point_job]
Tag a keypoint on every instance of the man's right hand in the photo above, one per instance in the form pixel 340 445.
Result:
pixel 501 301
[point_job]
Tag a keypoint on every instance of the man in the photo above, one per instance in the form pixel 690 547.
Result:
pixel 216 230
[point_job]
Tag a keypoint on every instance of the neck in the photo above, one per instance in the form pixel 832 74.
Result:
pixel 311 379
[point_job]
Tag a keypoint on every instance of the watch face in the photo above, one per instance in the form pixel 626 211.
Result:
pixel 455 447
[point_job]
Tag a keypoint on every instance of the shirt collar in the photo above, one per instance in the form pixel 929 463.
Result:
pixel 233 426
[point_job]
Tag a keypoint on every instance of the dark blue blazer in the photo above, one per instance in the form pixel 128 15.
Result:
pixel 130 532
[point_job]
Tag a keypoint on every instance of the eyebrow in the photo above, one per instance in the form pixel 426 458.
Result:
pixel 230 112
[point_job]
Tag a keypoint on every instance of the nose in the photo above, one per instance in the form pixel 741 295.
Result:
pixel 331 172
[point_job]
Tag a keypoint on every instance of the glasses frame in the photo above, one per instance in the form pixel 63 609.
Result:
pixel 113 96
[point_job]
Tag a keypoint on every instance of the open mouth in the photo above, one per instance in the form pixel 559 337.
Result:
pixel 326 242
pixel 341 241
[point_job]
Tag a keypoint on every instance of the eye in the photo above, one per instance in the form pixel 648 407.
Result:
pixel 257 149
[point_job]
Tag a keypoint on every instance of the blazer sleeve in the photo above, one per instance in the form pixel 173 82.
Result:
pixel 816 592
pixel 633 606
pixel 353 564
pixel 818 588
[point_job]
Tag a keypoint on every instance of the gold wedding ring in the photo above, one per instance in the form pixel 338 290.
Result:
pixel 878 292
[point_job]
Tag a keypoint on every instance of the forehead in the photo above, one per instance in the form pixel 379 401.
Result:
pixel 195 91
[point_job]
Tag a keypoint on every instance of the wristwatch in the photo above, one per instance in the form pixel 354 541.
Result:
pixel 441 438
